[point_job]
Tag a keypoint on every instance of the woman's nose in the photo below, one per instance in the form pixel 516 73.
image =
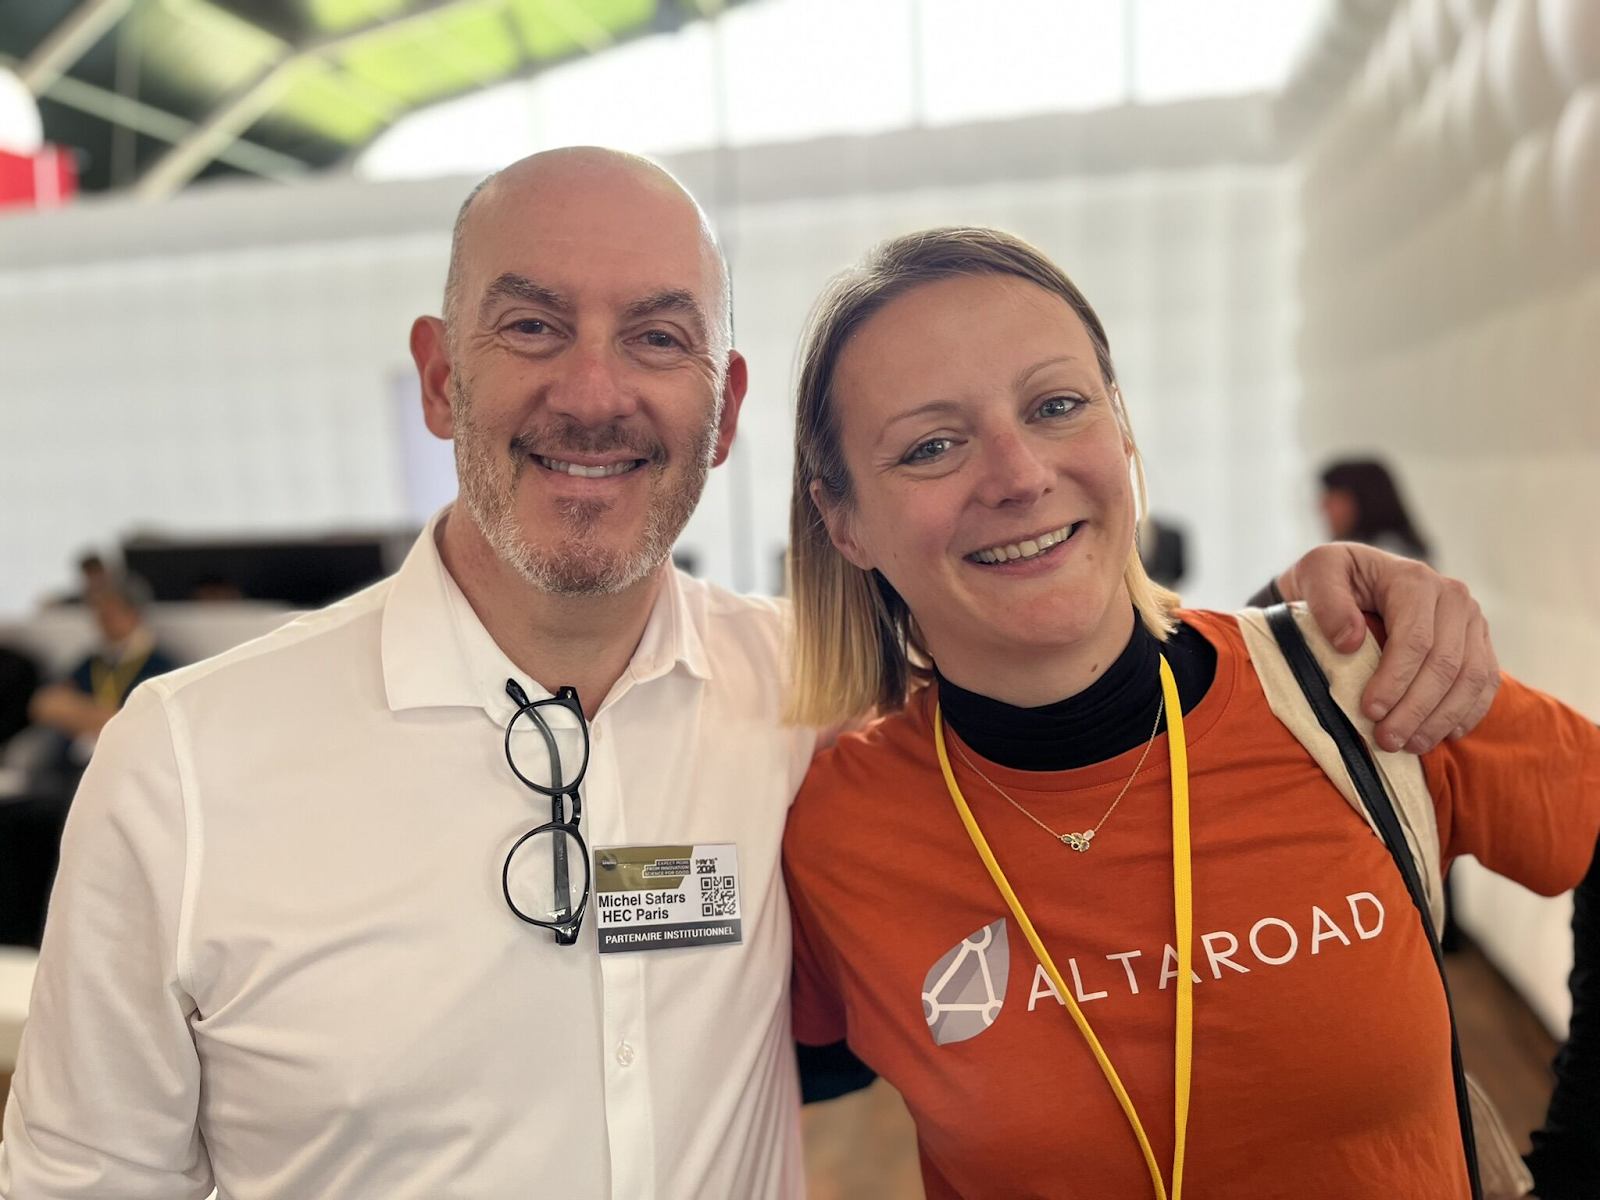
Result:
pixel 1014 472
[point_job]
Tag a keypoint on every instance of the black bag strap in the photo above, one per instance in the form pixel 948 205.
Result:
pixel 1308 674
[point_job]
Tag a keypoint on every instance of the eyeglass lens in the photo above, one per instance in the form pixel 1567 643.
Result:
pixel 548 746
pixel 545 877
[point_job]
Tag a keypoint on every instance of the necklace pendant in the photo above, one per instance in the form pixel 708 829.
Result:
pixel 1078 841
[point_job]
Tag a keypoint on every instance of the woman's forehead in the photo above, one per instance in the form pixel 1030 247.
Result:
pixel 961 322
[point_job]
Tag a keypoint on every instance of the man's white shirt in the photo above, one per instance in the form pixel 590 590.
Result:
pixel 278 960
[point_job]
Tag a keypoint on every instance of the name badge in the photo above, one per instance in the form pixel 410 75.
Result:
pixel 666 897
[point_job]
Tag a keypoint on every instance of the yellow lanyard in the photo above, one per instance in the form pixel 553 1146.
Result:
pixel 110 684
pixel 1182 908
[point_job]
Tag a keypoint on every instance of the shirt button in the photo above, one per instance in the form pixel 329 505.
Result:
pixel 596 733
pixel 624 1054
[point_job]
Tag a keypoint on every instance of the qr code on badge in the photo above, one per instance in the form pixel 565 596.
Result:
pixel 717 896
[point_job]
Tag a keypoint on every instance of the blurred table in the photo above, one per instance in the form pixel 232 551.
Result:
pixel 33 811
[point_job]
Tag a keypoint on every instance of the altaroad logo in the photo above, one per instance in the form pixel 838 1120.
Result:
pixel 962 995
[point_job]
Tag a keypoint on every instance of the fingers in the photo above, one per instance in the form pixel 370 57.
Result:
pixel 1409 612
pixel 1326 579
pixel 1479 708
pixel 1465 674
pixel 1438 673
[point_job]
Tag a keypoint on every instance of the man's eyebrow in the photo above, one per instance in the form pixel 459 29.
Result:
pixel 511 286
pixel 673 300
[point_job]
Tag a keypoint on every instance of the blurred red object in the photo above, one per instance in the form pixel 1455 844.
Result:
pixel 47 179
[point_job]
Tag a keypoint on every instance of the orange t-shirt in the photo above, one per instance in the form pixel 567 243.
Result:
pixel 1321 1037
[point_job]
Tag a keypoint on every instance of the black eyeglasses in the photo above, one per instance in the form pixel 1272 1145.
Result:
pixel 537 879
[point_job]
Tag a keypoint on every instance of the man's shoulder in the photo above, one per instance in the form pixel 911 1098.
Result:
pixel 719 603
pixel 755 626
pixel 304 649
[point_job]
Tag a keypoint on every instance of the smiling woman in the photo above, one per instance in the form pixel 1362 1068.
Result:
pixel 970 283
pixel 1070 769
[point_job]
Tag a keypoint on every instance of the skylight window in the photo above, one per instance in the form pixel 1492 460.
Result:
pixel 787 70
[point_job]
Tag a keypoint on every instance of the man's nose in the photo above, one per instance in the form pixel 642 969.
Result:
pixel 591 386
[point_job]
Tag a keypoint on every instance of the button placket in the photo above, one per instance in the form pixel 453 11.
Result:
pixel 630 1122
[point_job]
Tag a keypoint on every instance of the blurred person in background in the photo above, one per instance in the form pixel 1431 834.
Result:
pixel 33 800
pixel 1361 503
pixel 19 679
pixel 93 574
pixel 285 954
pixel 965 560
pixel 79 706
pixel 1565 1158
pixel 67 718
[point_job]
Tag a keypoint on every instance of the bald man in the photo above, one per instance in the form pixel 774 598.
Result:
pixel 468 885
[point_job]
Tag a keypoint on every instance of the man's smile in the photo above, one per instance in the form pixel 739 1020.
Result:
pixel 598 470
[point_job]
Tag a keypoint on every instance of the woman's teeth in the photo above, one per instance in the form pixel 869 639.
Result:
pixel 1032 548
pixel 583 472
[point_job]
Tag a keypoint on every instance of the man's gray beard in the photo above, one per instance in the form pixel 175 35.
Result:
pixel 578 566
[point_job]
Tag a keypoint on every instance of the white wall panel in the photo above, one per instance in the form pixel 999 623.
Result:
pixel 1451 289
pixel 197 368
pixel 241 390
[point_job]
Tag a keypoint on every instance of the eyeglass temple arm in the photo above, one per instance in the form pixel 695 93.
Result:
pixel 569 694
pixel 520 698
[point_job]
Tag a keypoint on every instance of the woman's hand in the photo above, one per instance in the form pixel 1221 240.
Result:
pixel 1438 674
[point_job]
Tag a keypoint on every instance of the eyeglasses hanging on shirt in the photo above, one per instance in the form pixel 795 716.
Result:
pixel 546 874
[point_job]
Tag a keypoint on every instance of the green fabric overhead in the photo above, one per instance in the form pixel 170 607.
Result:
pixel 421 60
pixel 555 28
pixel 323 100
pixel 339 16
pixel 354 67
pixel 201 49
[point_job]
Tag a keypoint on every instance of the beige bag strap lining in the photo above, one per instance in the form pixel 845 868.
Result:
pixel 1347 679
pixel 1503 1173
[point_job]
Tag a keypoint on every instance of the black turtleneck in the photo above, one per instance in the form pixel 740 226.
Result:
pixel 1109 717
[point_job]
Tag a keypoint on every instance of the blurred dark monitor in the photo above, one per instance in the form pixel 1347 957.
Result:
pixel 305 574
pixel 1162 550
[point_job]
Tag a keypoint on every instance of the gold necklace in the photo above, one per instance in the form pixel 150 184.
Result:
pixel 1076 841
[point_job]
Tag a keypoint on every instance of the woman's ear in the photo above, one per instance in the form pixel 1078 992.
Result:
pixel 841 531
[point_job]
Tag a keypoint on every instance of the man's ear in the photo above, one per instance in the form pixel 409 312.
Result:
pixel 734 384
pixel 841 529
pixel 430 350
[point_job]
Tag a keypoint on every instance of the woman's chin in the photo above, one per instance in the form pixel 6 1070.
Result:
pixel 1057 624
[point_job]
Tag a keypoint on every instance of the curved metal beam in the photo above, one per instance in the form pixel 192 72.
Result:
pixel 68 42
pixel 162 125
pixel 245 105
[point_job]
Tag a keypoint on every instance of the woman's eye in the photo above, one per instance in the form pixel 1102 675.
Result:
pixel 930 449
pixel 1059 406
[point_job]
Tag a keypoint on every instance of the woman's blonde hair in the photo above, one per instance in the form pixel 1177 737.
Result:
pixel 857 646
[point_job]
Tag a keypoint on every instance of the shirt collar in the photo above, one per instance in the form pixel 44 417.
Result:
pixel 436 653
